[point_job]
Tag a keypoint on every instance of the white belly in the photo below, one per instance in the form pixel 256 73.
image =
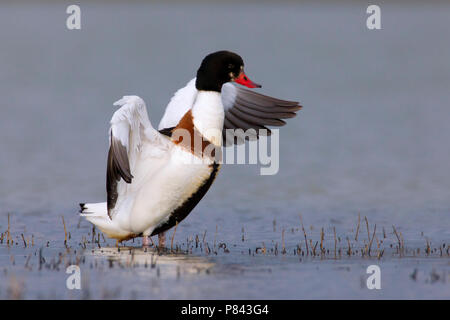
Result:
pixel 164 191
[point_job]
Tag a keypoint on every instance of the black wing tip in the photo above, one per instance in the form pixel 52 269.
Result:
pixel 167 131
pixel 295 110
pixel 118 162
pixel 82 207
pixel 293 107
pixel 128 179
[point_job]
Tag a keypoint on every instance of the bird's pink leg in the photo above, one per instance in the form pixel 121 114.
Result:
pixel 162 239
pixel 145 241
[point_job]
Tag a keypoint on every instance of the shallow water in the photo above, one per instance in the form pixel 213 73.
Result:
pixel 372 139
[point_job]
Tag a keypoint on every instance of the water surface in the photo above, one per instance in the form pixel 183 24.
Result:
pixel 372 139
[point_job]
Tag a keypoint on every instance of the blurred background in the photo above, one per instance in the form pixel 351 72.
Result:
pixel 373 136
pixel 373 133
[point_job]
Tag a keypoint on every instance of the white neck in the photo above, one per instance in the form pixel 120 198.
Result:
pixel 208 115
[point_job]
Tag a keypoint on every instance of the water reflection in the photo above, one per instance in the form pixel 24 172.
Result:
pixel 173 263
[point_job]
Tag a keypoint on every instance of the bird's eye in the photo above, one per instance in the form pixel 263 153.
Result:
pixel 230 66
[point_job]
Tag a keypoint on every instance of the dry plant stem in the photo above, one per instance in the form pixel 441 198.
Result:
pixel 367 225
pixel 402 241
pixel 65 230
pixel 322 236
pixel 314 248
pixel 173 236
pixel 304 233
pixel 215 236
pixel 335 241
pixel 24 242
pixel 8 235
pixel 378 245
pixel 398 239
pixel 93 234
pixel 371 240
pixel 357 228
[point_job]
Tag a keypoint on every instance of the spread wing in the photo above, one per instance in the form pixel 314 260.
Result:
pixel 181 102
pixel 129 125
pixel 246 109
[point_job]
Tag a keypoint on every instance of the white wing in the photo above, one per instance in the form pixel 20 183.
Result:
pixel 130 128
pixel 244 109
pixel 181 102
